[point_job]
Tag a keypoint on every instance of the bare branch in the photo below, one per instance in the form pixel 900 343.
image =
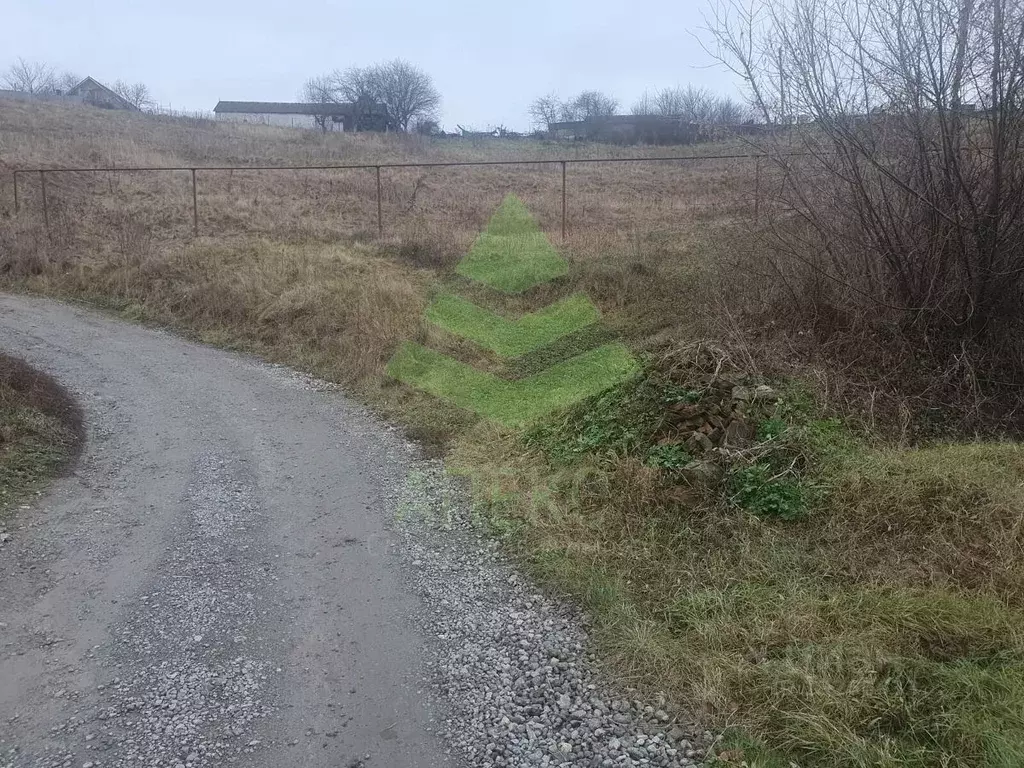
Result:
pixel 31 77
pixel 136 94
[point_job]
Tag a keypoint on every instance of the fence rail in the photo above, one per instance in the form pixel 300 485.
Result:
pixel 377 168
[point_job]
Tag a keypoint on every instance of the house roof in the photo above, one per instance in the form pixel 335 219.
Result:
pixel 122 101
pixel 281 108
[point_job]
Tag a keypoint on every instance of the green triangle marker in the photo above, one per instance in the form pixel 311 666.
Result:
pixel 512 255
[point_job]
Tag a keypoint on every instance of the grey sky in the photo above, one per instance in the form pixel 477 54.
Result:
pixel 489 59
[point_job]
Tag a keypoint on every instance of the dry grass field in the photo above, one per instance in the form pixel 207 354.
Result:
pixel 840 596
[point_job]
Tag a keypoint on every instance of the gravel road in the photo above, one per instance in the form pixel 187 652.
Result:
pixel 245 568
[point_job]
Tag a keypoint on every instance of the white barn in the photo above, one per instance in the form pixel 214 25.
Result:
pixel 334 117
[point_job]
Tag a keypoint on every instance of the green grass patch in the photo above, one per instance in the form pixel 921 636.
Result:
pixel 615 423
pixel 568 346
pixel 512 402
pixel 862 676
pixel 512 255
pixel 512 338
pixel 762 492
pixel 668 456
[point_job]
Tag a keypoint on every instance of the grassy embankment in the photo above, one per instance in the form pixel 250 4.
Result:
pixel 835 596
pixel 39 430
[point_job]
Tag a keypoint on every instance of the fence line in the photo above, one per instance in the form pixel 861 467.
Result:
pixel 377 168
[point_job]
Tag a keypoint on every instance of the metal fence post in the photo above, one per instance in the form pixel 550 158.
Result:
pixel 195 207
pixel 17 205
pixel 46 210
pixel 563 201
pixel 380 210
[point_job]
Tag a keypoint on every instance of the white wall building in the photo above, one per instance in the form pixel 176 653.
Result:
pixel 285 114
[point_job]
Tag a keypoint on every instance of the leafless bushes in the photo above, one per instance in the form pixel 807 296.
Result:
pixel 694 105
pixel 904 214
pixel 136 94
pixel 37 78
pixel 584 106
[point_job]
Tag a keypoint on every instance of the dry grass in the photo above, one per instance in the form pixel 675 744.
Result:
pixel 883 629
pixel 40 429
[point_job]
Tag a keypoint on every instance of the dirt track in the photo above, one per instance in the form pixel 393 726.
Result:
pixel 213 583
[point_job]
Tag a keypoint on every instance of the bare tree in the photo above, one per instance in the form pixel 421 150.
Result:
pixel 697 105
pixel 136 94
pixel 321 90
pixel 360 87
pixel 907 203
pixel 405 92
pixel 588 105
pixel 728 111
pixel 645 105
pixel 545 110
pixel 65 81
pixel 395 92
pixel 669 101
pixel 30 77
pixel 692 104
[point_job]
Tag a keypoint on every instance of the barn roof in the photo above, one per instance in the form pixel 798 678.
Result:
pixel 281 108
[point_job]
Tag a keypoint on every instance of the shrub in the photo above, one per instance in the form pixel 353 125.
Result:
pixel 668 456
pixel 760 491
pixel 893 213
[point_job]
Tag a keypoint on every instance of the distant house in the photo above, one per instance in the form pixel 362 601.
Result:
pixel 96 94
pixel 337 117
pixel 89 91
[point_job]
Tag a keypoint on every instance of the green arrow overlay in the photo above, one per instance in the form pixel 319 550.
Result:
pixel 512 338
pixel 512 255
pixel 513 403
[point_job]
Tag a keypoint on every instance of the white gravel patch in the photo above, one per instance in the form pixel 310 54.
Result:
pixel 512 664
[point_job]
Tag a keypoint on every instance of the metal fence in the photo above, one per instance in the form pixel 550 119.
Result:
pixel 377 169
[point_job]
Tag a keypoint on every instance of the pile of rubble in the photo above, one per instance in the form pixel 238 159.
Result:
pixel 723 420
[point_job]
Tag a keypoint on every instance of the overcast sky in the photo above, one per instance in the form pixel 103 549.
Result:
pixel 488 59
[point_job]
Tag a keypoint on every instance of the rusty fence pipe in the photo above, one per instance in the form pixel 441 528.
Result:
pixel 377 170
pixel 380 209
pixel 17 205
pixel 195 207
pixel 46 209
pixel 563 201
pixel 456 164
